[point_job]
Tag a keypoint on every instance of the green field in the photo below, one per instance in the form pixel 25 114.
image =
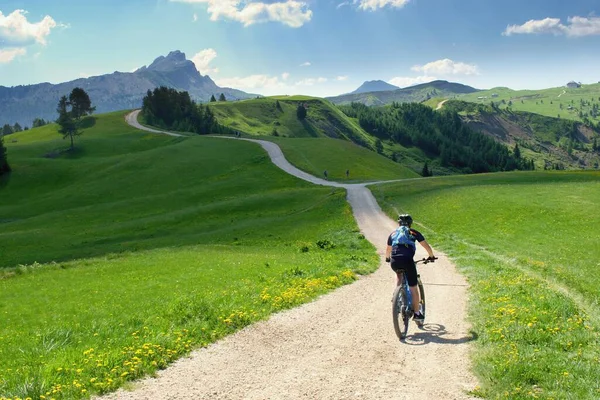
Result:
pixel 336 156
pixel 545 102
pixel 528 244
pixel 119 258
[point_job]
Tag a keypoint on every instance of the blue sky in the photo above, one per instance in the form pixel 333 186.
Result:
pixel 315 47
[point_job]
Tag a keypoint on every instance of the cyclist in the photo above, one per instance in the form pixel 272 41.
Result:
pixel 401 251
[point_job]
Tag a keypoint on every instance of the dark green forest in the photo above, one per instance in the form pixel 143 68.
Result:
pixel 4 167
pixel 441 135
pixel 170 109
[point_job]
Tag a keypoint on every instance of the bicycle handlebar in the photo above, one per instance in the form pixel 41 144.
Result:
pixel 426 260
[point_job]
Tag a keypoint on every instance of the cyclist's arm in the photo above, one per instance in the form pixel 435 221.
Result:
pixel 388 252
pixel 427 247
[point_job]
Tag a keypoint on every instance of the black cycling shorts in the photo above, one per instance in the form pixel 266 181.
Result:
pixel 409 267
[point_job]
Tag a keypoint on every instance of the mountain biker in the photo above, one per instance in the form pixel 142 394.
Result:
pixel 402 258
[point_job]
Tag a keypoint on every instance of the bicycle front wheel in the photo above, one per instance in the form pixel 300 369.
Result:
pixel 422 303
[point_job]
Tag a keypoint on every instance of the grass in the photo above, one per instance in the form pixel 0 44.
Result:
pixel 123 256
pixel 262 117
pixel 545 102
pixel 527 243
pixel 336 156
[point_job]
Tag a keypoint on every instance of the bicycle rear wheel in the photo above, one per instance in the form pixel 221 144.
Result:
pixel 400 311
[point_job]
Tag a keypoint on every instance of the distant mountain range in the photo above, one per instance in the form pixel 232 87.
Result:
pixel 111 92
pixel 416 93
pixel 375 86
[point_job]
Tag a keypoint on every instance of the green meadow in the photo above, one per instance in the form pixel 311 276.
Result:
pixel 562 101
pixel 528 244
pixel 336 156
pixel 119 258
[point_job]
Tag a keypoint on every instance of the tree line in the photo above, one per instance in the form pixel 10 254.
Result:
pixel 4 167
pixel 8 129
pixel 170 109
pixel 440 135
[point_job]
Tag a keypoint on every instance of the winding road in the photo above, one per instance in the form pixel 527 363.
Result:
pixel 340 346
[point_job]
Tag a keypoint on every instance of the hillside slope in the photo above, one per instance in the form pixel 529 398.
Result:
pixel 311 144
pixel 276 116
pixel 551 142
pixel 577 104
pixel 413 94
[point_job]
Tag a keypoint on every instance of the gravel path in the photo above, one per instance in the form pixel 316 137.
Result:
pixel 341 346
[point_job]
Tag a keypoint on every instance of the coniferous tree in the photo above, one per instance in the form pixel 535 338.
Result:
pixel 169 109
pixel 80 103
pixel 440 135
pixel 67 124
pixel 17 128
pixel 212 99
pixel 222 97
pixel 425 173
pixel 4 167
pixel 301 112
pixel 7 130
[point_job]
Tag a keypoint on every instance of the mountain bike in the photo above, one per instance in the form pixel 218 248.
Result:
pixel 402 309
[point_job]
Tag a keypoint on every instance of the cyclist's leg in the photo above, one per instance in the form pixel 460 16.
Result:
pixel 411 276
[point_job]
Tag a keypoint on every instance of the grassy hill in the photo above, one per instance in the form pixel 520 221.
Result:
pixel 326 140
pixel 534 303
pixel 262 117
pixel 413 94
pixel 549 141
pixel 567 103
pixel 119 258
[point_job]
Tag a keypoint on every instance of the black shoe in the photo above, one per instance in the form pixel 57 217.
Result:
pixel 419 318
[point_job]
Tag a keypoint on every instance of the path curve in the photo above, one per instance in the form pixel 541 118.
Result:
pixel 341 346
pixel 441 104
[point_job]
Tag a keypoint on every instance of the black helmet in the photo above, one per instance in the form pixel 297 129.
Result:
pixel 405 219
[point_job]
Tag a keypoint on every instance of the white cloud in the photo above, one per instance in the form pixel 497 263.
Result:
pixel 405 81
pixel 575 27
pixel 311 81
pixel 7 56
pixel 195 17
pixel 447 67
pixel 251 82
pixel 285 76
pixel 341 78
pixel 306 64
pixel 289 12
pixel 16 31
pixel 372 5
pixel 203 59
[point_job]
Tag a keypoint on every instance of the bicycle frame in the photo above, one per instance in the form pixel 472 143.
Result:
pixel 402 303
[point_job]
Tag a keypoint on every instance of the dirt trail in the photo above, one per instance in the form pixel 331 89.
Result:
pixel 440 105
pixel 341 346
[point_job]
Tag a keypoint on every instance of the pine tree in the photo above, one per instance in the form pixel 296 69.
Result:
pixel 4 167
pixel 222 97
pixel 301 112
pixel 212 99
pixel 67 125
pixel 517 151
pixel 425 172
pixel 7 130
pixel 80 103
